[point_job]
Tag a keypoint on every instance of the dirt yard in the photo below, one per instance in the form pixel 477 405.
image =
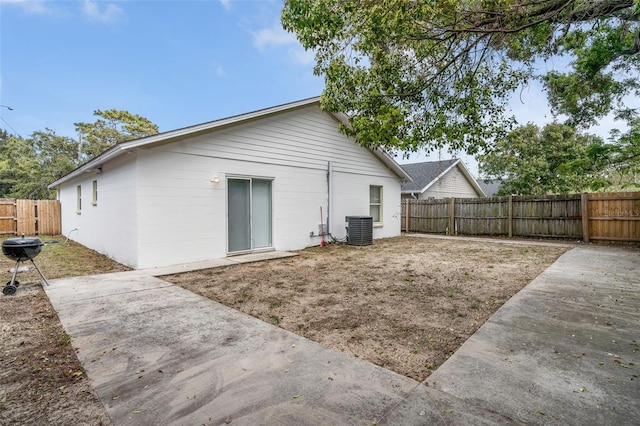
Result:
pixel 404 303
pixel 41 380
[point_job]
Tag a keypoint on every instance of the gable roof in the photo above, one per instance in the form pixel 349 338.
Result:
pixel 489 186
pixel 429 172
pixel 124 147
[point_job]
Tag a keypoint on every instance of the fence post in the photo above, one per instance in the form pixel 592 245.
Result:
pixel 510 210
pixel 407 211
pixel 452 219
pixel 585 217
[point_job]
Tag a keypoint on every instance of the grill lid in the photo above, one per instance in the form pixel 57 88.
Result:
pixel 24 242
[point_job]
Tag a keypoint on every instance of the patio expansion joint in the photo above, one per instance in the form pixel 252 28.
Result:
pixel 103 296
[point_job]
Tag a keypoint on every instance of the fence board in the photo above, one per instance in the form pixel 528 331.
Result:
pixel 26 217
pixel 602 216
pixel 614 216
pixel 30 217
pixel 7 216
pixel 49 220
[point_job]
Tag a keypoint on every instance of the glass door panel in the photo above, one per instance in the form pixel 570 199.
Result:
pixel 239 215
pixel 261 213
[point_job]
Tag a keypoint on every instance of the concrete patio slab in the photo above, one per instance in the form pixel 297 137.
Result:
pixel 564 350
pixel 158 354
pixel 216 263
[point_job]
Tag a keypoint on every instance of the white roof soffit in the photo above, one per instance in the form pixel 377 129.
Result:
pixel 211 125
pixel 180 133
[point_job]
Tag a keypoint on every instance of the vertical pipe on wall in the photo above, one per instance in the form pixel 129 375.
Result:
pixel 329 193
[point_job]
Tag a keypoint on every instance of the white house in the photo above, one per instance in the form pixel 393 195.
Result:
pixel 440 179
pixel 247 183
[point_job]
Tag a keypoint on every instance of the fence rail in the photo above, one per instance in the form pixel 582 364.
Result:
pixel 30 217
pixel 602 216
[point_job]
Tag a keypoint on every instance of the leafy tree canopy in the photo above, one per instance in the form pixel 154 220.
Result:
pixel 28 166
pixel 423 74
pixel 554 159
pixel 111 128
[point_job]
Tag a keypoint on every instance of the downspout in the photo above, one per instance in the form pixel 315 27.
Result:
pixel 329 194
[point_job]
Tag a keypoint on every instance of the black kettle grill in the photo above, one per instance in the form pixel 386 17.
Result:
pixel 21 250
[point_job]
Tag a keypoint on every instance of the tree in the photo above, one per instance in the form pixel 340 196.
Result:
pixel 13 151
pixel 556 159
pixel 28 166
pixel 423 74
pixel 623 157
pixel 111 128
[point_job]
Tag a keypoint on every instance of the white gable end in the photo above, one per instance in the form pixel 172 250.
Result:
pixel 453 184
pixel 180 212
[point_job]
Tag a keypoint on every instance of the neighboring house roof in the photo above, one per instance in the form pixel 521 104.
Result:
pixel 489 186
pixel 124 147
pixel 429 172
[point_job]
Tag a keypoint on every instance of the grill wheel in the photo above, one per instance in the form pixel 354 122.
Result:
pixel 9 289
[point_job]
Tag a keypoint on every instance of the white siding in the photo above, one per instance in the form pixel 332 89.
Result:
pixel 159 207
pixel 109 227
pixel 177 196
pixel 452 184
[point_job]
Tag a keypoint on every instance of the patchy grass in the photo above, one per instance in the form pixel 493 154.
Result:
pixel 404 303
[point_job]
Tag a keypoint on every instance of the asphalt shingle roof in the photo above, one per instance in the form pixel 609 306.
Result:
pixel 424 173
pixel 489 187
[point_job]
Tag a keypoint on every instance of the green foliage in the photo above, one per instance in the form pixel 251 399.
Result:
pixel 28 166
pixel 555 159
pixel 111 128
pixel 421 74
pixel 624 158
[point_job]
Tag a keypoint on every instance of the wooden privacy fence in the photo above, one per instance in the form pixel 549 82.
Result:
pixel 602 216
pixel 30 217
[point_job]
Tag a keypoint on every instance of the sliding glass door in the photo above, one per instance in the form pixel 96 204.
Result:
pixel 249 214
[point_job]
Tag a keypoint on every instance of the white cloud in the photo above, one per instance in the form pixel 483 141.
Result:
pixel 226 4
pixel 274 36
pixel 303 57
pixel 37 7
pixel 110 13
pixel 219 70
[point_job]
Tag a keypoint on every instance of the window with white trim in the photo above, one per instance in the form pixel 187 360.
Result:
pixel 78 198
pixel 94 197
pixel 375 203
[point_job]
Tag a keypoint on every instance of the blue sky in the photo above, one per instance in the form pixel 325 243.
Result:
pixel 177 63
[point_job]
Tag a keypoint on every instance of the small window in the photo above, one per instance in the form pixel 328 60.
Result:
pixel 78 198
pixel 375 203
pixel 94 199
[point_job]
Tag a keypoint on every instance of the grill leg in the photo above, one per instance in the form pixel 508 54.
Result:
pixel 36 266
pixel 15 272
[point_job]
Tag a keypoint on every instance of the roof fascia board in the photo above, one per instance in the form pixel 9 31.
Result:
pixel 218 124
pixel 213 125
pixel 92 164
pixel 440 176
pixel 472 181
pixel 181 133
